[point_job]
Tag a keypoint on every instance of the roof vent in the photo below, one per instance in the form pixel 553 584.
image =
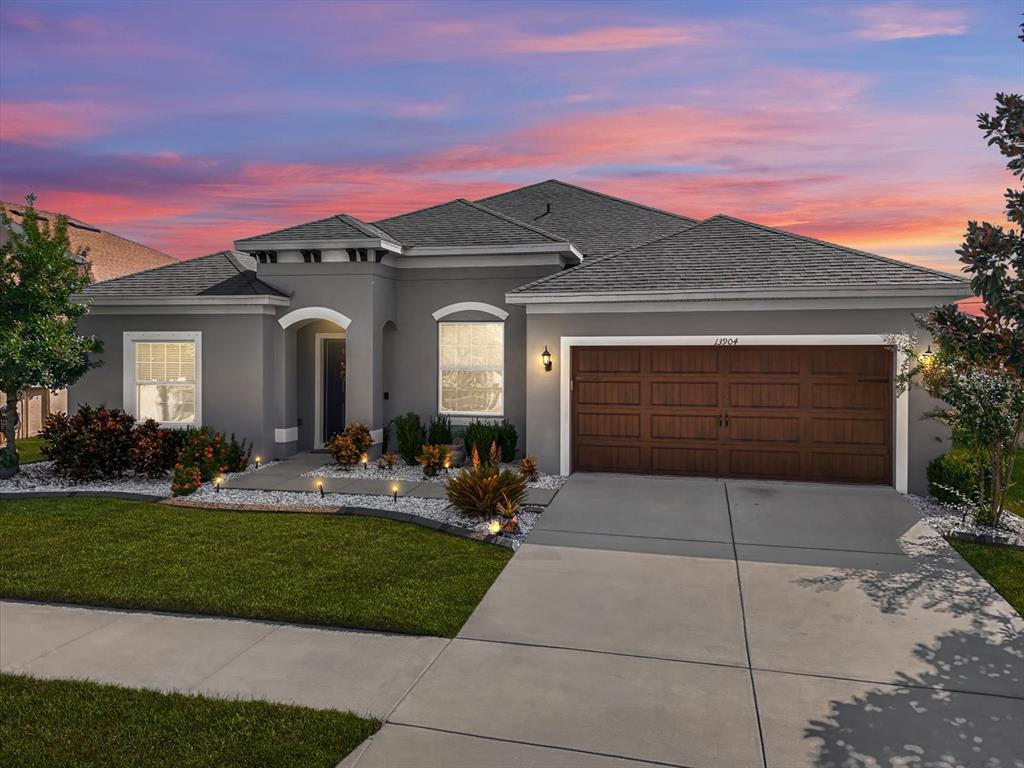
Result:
pixel 547 210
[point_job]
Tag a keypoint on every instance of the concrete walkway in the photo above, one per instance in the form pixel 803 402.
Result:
pixel 290 475
pixel 693 622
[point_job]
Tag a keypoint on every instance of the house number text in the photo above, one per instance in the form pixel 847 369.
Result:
pixel 727 341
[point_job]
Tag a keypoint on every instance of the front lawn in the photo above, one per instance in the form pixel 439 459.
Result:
pixel 342 571
pixel 30 449
pixel 1001 567
pixel 46 723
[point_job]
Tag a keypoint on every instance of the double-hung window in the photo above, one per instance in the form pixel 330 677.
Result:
pixel 472 368
pixel 162 377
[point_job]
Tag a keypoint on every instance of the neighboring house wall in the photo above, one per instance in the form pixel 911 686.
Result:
pixel 927 438
pixel 234 368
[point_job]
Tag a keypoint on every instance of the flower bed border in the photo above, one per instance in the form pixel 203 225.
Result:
pixel 304 509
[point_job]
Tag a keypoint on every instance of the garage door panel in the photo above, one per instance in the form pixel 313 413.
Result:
pixel 701 394
pixel 684 461
pixel 608 392
pixel 763 429
pixel 764 395
pixel 792 413
pixel 608 425
pixel 684 427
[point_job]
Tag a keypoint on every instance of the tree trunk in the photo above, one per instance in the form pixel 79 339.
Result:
pixel 996 504
pixel 10 422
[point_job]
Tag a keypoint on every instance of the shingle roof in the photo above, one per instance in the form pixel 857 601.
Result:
pixel 595 223
pixel 728 254
pixel 340 226
pixel 228 273
pixel 464 223
pixel 109 255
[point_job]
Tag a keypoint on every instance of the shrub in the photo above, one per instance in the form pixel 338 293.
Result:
pixel 953 476
pixel 528 469
pixel 388 461
pixel 482 434
pixel 344 450
pixel 440 430
pixel 486 491
pixel 92 444
pixel 410 435
pixel 359 434
pixel 154 449
pixel 185 479
pixel 207 450
pixel 433 459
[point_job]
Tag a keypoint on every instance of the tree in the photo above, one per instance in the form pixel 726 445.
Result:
pixel 983 357
pixel 39 343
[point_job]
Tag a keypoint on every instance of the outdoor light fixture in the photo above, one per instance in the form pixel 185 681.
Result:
pixel 394 492
pixel 257 462
pixel 217 483
pixel 546 357
pixel 447 464
pixel 494 527
pixel 365 459
pixel 928 357
pixel 320 486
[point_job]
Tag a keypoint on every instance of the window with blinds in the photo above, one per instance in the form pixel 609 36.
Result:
pixel 472 365
pixel 165 381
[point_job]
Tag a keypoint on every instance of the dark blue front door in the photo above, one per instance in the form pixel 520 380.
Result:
pixel 334 387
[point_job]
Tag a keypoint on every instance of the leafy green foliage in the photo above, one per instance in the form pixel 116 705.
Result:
pixel 41 345
pixel 481 434
pixel 439 431
pixel 212 454
pixel 46 723
pixel 92 444
pixel 486 491
pixel 185 479
pixel 433 459
pixel 344 571
pixel 410 434
pixel 954 475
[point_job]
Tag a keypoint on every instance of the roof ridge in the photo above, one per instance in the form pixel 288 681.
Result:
pixel 513 220
pixel 597 194
pixel 357 223
pixel 285 229
pixel 173 263
pixel 249 275
pixel 418 210
pixel 837 246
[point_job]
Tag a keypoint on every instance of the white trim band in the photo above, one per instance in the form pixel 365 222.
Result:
pixel 286 435
pixel 314 313
pixel 471 306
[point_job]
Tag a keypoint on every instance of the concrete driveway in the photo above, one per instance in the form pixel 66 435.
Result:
pixel 692 622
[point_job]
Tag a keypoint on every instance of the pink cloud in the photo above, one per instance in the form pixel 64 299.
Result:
pixel 898 21
pixel 602 39
pixel 48 122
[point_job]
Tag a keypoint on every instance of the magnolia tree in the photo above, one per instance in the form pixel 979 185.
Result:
pixel 978 371
pixel 39 343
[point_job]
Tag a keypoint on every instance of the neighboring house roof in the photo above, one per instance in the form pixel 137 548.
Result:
pixel 595 223
pixel 340 226
pixel 724 255
pixel 227 273
pixel 463 223
pixel 109 255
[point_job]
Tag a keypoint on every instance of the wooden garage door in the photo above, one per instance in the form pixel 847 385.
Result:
pixel 792 413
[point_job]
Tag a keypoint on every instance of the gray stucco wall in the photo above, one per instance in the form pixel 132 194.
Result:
pixel 927 438
pixel 234 368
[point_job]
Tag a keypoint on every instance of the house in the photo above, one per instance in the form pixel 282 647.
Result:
pixel 109 256
pixel 615 336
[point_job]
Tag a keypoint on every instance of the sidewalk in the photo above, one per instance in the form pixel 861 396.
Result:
pixel 364 672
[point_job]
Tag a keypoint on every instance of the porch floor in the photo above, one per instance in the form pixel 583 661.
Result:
pixel 290 475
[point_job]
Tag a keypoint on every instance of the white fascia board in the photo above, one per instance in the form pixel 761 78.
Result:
pixel 492 259
pixel 480 250
pixel 248 246
pixel 184 301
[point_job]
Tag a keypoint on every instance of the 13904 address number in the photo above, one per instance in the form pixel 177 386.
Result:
pixel 727 341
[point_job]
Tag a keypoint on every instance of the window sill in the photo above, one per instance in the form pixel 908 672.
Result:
pixel 464 419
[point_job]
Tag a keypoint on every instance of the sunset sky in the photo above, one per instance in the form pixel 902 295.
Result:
pixel 187 125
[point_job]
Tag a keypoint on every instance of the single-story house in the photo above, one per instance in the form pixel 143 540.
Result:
pixel 615 336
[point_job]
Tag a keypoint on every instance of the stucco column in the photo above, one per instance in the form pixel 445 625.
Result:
pixel 362 367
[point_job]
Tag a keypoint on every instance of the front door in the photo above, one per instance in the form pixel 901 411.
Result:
pixel 334 388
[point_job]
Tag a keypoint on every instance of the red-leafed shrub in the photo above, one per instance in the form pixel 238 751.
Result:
pixel 154 449
pixel 92 444
pixel 185 479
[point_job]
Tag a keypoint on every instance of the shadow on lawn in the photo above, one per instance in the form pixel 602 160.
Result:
pixel 925 726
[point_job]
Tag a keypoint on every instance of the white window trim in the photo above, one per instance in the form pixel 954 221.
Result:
pixel 471 306
pixel 128 370
pixel 464 417
pixel 901 412
pixel 318 387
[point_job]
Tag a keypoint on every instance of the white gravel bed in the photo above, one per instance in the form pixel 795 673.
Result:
pixel 431 509
pixel 945 520
pixel 40 477
pixel 415 474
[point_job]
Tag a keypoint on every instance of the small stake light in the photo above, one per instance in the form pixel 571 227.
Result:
pixel 545 356
pixel 494 527
pixel 394 492
pixel 365 460
pixel 447 464
pixel 218 481
pixel 320 486
pixel 257 462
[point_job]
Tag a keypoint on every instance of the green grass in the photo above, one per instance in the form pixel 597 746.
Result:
pixel 1001 567
pixel 30 449
pixel 342 571
pixel 46 723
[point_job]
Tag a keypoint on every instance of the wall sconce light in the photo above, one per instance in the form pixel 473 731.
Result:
pixel 546 357
pixel 218 482
pixel 257 462
pixel 320 486
pixel 394 493
pixel 928 357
